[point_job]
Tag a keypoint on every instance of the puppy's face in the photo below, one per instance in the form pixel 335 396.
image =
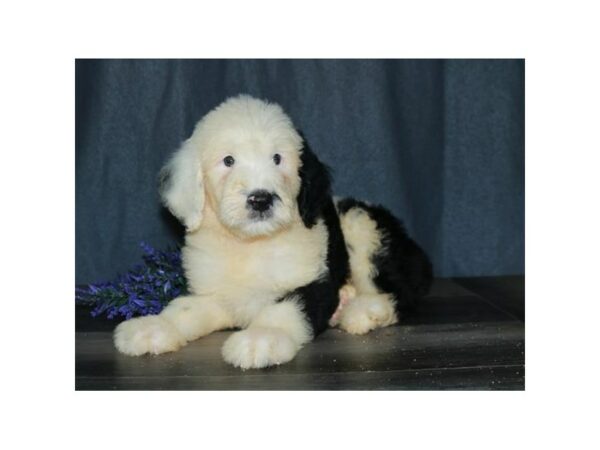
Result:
pixel 251 176
pixel 243 163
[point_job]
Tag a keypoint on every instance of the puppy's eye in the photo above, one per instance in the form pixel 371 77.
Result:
pixel 277 159
pixel 228 160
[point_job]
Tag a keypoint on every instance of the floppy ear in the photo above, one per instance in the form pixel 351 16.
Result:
pixel 181 188
pixel 315 188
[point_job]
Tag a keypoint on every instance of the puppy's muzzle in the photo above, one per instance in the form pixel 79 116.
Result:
pixel 260 200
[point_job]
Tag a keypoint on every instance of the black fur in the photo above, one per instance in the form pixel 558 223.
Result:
pixel 315 190
pixel 320 298
pixel 403 268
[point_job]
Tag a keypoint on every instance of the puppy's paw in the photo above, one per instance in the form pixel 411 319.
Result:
pixel 259 347
pixel 365 313
pixel 149 334
pixel 346 294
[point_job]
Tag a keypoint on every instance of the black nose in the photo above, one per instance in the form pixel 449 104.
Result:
pixel 260 200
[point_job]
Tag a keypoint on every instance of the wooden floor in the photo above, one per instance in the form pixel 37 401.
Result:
pixel 469 334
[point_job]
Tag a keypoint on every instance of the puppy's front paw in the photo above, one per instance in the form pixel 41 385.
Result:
pixel 149 334
pixel 366 313
pixel 259 347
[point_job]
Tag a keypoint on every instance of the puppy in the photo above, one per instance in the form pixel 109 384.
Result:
pixel 267 249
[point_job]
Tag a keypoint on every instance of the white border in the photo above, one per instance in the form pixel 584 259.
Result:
pixel 40 42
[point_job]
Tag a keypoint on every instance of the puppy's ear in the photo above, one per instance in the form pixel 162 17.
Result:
pixel 315 188
pixel 181 187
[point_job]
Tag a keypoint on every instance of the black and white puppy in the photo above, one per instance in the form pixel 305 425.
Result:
pixel 267 249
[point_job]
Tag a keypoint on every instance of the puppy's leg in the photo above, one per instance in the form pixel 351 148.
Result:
pixel 278 332
pixel 183 320
pixel 273 337
pixel 388 269
pixel 367 312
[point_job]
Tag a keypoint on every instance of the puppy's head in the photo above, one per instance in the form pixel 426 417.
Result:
pixel 246 162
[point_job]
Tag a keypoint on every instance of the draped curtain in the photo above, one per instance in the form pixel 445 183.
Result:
pixel 438 142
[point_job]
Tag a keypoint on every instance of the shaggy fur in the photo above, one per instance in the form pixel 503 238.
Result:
pixel 267 250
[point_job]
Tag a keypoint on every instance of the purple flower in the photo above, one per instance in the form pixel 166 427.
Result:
pixel 145 289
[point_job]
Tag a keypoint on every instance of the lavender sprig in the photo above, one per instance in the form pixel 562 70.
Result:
pixel 146 289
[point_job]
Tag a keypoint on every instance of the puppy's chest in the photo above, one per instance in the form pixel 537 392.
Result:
pixel 274 266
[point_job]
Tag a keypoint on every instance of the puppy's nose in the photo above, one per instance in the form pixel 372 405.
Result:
pixel 260 200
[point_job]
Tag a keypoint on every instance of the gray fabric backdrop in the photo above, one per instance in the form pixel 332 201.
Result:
pixel 440 143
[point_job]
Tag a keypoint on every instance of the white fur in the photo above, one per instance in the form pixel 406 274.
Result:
pixel 367 312
pixel 274 337
pixel 363 240
pixel 195 316
pixel 184 196
pixel 247 277
pixel 256 348
pixel 237 267
pixel 149 334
